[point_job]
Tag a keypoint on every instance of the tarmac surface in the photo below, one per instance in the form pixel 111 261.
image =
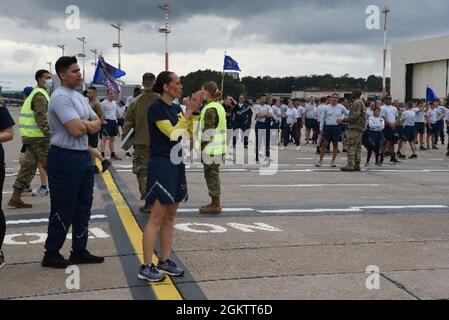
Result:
pixel 300 233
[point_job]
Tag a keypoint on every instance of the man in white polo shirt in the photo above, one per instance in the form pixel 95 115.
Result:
pixel 330 128
pixel 110 129
pixel 391 116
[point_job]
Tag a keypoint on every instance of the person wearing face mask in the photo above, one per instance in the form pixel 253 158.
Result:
pixel 35 133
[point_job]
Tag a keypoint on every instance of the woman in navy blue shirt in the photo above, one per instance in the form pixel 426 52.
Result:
pixel 166 181
pixel 6 134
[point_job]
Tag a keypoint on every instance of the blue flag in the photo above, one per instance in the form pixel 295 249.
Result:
pixel 106 75
pixel 430 95
pixel 230 64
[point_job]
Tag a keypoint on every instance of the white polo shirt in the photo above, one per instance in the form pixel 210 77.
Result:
pixel 110 109
pixel 389 113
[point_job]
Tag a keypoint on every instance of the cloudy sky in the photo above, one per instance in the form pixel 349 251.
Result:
pixel 266 37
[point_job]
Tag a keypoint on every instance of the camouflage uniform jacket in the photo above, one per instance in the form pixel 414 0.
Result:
pixel 357 116
pixel 137 117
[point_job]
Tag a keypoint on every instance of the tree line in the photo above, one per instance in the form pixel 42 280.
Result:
pixel 255 86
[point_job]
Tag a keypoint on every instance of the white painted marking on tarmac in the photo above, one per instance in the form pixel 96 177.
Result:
pixel 40 237
pixel 310 185
pixel 403 207
pixel 214 229
pixel 309 210
pixel 124 166
pixel 325 158
pixel 188 227
pixel 353 209
pixel 30 221
pixel 223 210
pixel 257 226
pixel 8 175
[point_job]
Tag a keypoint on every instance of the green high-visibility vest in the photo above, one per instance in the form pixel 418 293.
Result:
pixel 217 139
pixel 27 121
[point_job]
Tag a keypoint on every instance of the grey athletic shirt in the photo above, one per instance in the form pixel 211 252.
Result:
pixel 67 105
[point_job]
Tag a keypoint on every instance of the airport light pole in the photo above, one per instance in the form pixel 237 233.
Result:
pixel 118 45
pixel 62 46
pixel 165 31
pixel 95 52
pixel 386 11
pixel 83 55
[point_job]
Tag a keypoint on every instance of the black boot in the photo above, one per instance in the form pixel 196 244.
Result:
pixel 84 257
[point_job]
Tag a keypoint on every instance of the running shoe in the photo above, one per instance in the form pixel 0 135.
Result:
pixel 150 273
pixel 41 192
pixel 170 268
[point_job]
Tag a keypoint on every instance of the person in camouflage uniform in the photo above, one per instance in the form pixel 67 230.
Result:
pixel 356 126
pixel 37 148
pixel 137 118
pixel 212 170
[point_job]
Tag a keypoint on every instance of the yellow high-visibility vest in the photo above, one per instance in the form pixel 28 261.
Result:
pixel 217 141
pixel 27 121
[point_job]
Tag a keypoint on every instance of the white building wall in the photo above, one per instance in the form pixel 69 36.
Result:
pixel 430 59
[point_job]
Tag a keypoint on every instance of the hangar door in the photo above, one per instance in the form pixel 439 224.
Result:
pixel 433 74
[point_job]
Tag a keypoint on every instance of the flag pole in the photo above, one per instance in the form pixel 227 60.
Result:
pixel 222 84
pixel 222 78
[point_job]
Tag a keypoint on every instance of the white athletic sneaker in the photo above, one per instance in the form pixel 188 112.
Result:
pixel 41 192
pixel 298 148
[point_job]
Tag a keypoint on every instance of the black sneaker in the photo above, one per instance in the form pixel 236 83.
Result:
pixel 394 160
pixel 105 165
pixel 2 259
pixel 422 148
pixel 435 148
pixel 114 157
pixel 96 170
pixel 413 156
pixel 84 257
pixel 447 154
pixel 55 261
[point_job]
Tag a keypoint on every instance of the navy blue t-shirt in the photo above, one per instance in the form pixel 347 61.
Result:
pixel 160 144
pixel 6 121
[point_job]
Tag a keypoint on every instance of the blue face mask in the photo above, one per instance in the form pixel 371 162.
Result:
pixel 48 84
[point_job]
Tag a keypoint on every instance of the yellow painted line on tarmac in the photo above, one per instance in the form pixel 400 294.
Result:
pixel 165 290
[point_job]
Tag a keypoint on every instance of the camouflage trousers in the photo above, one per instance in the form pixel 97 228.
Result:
pixel 140 167
pixel 36 153
pixel 354 146
pixel 212 175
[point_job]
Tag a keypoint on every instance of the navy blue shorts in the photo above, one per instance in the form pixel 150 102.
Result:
pixel 420 127
pixel 400 131
pixel 332 133
pixel 110 129
pixel 311 123
pixel 121 122
pixel 391 135
pixel 166 181
pixel 373 139
pixel 409 134
pixel 434 128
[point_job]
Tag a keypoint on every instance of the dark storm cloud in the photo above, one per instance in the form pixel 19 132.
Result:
pixel 285 21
